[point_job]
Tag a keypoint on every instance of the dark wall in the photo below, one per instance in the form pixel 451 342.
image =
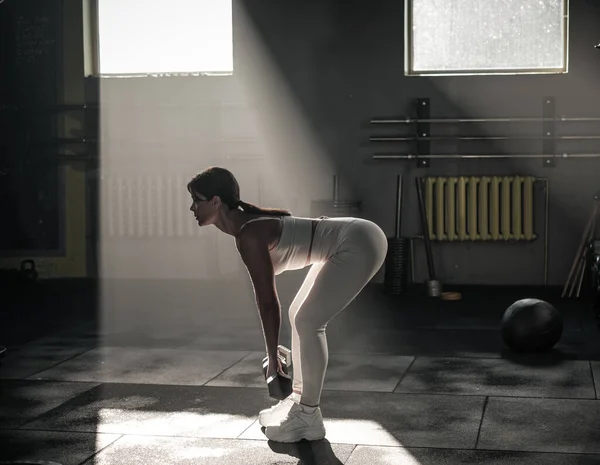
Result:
pixel 308 77
pixel 344 62
pixel 30 61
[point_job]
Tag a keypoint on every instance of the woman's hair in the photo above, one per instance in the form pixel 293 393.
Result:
pixel 216 181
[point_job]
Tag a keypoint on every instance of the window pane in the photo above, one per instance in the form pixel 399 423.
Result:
pixel 494 35
pixel 174 36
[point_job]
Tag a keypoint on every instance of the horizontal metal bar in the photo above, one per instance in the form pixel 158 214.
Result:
pixel 392 156
pixel 90 140
pixel 244 158
pixel 70 140
pixel 482 120
pixel 443 138
pixel 78 157
pixel 119 105
pixel 48 108
pixel 50 143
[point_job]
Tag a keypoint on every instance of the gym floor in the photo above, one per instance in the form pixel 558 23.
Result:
pixel 411 380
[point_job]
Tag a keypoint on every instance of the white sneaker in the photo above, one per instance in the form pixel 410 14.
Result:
pixel 275 414
pixel 297 425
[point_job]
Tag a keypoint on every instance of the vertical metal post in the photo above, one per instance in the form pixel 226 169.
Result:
pixel 548 131
pixel 336 190
pixel 91 115
pixel 546 228
pixel 412 259
pixel 398 228
pixel 425 228
pixel 423 131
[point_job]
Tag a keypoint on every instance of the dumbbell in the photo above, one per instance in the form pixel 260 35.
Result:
pixel 285 356
pixel 279 384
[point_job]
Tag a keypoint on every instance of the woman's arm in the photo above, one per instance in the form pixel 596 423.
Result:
pixel 255 254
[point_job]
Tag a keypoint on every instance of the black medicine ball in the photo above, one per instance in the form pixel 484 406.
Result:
pixel 531 325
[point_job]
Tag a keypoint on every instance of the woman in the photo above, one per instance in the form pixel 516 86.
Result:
pixel 343 253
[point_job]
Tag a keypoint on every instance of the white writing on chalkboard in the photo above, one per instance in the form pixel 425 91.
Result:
pixel 33 39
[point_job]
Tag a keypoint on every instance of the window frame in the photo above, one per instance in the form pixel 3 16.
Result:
pixel 409 53
pixel 91 50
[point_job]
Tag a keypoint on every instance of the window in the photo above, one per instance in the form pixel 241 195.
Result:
pixel 453 37
pixel 146 37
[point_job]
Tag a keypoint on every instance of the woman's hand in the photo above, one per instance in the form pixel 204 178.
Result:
pixel 274 367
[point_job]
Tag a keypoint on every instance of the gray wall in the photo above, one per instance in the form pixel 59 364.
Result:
pixel 308 78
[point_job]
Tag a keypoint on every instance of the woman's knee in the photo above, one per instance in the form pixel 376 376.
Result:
pixel 306 323
pixel 292 313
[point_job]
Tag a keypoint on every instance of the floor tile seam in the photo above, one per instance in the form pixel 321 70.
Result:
pixel 59 406
pixel 391 354
pixel 48 380
pixel 491 396
pixel 593 380
pixel 248 354
pixel 403 375
pixel 247 428
pixel 355 446
pixel 433 393
pixel 102 449
pixel 395 392
pixel 97 384
pixel 122 436
pixel 496 358
pixel 60 363
pixel 483 410
pixel 332 353
pixel 465 449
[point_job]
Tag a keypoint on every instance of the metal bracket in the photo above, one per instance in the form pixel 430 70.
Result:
pixel 423 130
pixel 548 131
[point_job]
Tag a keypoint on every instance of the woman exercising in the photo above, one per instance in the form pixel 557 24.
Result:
pixel 343 253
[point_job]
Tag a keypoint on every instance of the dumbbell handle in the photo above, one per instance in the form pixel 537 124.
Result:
pixel 285 353
pixel 265 365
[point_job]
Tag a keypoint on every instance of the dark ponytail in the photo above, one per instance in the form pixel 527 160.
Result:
pixel 250 208
pixel 220 181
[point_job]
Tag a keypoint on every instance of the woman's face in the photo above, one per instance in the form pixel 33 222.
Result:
pixel 204 210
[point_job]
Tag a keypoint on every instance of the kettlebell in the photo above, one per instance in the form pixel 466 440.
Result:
pixel 28 270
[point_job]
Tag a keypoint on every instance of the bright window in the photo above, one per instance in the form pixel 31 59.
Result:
pixel 486 36
pixel 144 37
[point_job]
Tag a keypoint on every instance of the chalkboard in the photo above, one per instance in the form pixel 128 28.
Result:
pixel 30 60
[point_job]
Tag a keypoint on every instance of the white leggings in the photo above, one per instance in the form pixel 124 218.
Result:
pixel 345 256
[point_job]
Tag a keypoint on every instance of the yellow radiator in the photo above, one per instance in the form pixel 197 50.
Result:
pixel 488 208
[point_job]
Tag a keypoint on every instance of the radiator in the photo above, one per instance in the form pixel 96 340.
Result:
pixel 156 205
pixel 487 208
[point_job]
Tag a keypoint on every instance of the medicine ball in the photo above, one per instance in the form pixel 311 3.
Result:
pixel 531 325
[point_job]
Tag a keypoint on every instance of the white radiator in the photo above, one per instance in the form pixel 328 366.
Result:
pixel 156 205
